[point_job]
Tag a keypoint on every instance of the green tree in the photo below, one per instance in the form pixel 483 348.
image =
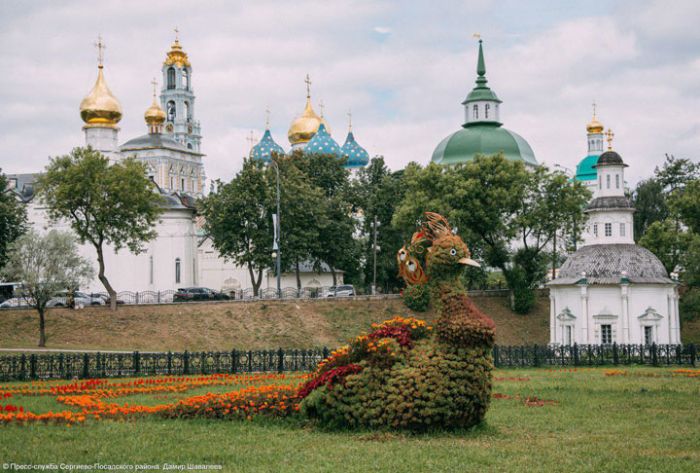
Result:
pixel 509 214
pixel 339 249
pixel 238 219
pixel 686 205
pixel 667 242
pixel 377 191
pixel 46 264
pixel 13 218
pixel 105 204
pixel 650 204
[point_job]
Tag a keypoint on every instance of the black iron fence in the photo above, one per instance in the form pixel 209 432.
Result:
pixel 106 365
pixel 594 355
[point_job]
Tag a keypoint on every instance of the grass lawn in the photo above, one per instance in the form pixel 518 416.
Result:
pixel 644 420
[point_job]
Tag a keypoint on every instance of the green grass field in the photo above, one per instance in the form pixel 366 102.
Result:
pixel 645 420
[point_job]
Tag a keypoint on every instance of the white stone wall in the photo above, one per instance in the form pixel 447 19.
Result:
pixel 626 308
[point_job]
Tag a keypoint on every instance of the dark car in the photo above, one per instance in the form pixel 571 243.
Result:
pixel 189 294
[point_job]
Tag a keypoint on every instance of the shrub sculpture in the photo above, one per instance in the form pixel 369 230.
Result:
pixel 416 297
pixel 403 374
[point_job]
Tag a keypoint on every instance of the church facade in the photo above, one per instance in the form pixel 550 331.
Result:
pixel 181 255
pixel 612 290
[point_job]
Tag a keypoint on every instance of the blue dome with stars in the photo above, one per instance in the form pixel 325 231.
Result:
pixel 264 149
pixel 322 143
pixel 357 156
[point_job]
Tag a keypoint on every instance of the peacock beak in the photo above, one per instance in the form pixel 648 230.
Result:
pixel 469 261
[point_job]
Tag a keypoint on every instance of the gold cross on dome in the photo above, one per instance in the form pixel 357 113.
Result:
pixel 594 109
pixel 100 45
pixel 349 120
pixel 308 86
pixel 609 135
pixel 177 34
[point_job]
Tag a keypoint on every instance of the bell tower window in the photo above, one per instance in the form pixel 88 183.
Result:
pixel 188 114
pixel 186 79
pixel 171 78
pixel 486 110
pixel 171 111
pixel 475 112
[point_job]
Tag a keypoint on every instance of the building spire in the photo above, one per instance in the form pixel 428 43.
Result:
pixel 481 65
pixel 267 118
pixel 349 121
pixel 100 45
pixel 308 86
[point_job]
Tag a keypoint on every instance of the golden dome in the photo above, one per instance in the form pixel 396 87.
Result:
pixel 594 126
pixel 177 56
pixel 154 114
pixel 304 127
pixel 100 107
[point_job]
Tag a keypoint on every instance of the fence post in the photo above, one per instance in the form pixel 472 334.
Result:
pixel 280 360
pixel 86 365
pixel 61 365
pixel 186 363
pixel 250 361
pixel 137 364
pixel 234 361
pixel 616 358
pixel 32 367
pixel 536 359
pixel 576 360
pixel 23 367
pixel 693 354
pixel 325 352
pixel 158 297
pixel 169 363
pixel 496 360
pixel 654 355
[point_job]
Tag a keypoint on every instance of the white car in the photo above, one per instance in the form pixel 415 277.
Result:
pixel 80 298
pixel 346 290
pixel 14 302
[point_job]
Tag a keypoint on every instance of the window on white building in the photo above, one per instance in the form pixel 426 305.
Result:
pixel 648 335
pixel 486 110
pixel 568 334
pixel 608 229
pixel 606 334
pixel 171 78
pixel 182 183
pixel 607 180
pixel 617 181
pixel 595 229
pixel 177 270
pixel 622 229
pixel 475 112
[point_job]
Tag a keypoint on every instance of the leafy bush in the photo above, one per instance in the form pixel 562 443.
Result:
pixel 416 297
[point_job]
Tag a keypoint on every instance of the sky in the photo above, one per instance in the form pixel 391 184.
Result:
pixel 403 68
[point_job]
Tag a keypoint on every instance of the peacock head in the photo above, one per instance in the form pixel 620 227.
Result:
pixel 445 252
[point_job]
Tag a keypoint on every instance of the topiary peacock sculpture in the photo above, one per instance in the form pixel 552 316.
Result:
pixel 404 374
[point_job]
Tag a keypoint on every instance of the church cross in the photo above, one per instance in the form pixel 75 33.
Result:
pixel 477 36
pixel 609 138
pixel 594 108
pixel 155 84
pixel 320 106
pixel 177 34
pixel 100 45
pixel 267 118
pixel 308 86
pixel 251 140
pixel 349 120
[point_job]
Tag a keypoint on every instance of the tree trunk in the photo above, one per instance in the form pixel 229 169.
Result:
pixel 335 282
pixel 42 328
pixel 103 279
pixel 296 267
pixel 256 285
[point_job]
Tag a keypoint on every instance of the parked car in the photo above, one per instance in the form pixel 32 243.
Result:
pixel 345 290
pixel 62 299
pixel 189 294
pixel 106 299
pixel 14 302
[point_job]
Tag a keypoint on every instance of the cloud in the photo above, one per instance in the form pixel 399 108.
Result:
pixel 403 72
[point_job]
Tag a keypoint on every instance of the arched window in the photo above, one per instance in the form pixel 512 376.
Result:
pixel 607 181
pixel 475 112
pixel 486 110
pixel 617 181
pixel 177 270
pixel 182 183
pixel 186 79
pixel 171 78
pixel 171 111
pixel 189 145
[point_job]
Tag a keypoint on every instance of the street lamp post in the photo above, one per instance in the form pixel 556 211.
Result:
pixel 374 252
pixel 277 228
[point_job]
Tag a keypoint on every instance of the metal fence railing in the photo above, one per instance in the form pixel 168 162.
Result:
pixel 106 365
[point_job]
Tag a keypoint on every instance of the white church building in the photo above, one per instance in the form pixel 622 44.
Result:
pixel 181 255
pixel 611 290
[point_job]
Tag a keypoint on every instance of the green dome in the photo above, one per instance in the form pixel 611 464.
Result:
pixel 585 170
pixel 486 139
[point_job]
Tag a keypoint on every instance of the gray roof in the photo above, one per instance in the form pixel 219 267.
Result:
pixel 609 158
pixel 156 141
pixel 618 202
pixel 604 264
